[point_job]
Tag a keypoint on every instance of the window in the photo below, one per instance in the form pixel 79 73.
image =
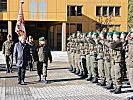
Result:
pixel 104 11
pixel 3 5
pixel 117 11
pixel 117 27
pixel 74 10
pixel 98 11
pixel 79 27
pixel 79 10
pixel 111 11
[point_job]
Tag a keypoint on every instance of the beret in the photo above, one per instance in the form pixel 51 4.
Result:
pixel 41 38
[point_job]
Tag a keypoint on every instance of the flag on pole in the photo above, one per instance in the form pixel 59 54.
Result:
pixel 20 27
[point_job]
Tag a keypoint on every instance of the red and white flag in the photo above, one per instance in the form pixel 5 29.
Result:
pixel 20 27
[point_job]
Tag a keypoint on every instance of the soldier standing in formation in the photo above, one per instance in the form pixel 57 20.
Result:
pixel 7 50
pixel 102 57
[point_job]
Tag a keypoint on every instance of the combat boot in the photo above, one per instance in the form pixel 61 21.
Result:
pixel 77 71
pixel 81 73
pixel 109 86
pixel 102 83
pixel 70 69
pixel 89 78
pixel 94 80
pixel 39 78
pixel 74 70
pixel 118 90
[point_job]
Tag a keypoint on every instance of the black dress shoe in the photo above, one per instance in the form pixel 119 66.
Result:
pixel 19 82
pixel 95 80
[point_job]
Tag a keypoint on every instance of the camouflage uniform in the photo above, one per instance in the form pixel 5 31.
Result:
pixel 7 50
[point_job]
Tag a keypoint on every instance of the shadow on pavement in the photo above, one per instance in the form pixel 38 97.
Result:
pixel 60 80
pixel 57 68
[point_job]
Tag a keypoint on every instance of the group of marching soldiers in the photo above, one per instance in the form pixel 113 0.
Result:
pixel 105 58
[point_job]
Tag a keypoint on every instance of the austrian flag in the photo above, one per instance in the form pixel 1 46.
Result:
pixel 20 27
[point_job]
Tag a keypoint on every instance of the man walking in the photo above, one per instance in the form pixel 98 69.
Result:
pixel 44 54
pixel 7 50
pixel 22 56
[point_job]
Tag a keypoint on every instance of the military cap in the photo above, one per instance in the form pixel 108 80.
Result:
pixel 78 32
pixel 41 38
pixel 124 33
pixel 102 32
pixel 95 33
pixel 110 33
pixel 117 33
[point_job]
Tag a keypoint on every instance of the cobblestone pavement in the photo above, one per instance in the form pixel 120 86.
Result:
pixel 62 85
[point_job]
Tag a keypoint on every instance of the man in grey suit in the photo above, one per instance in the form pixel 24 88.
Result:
pixel 22 56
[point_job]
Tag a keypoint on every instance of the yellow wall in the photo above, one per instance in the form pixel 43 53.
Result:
pixel 56 10
pixel 89 18
pixel 37 10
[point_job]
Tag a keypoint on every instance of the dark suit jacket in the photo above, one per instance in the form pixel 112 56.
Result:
pixel 21 54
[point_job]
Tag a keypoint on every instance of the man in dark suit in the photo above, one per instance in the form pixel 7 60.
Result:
pixel 22 56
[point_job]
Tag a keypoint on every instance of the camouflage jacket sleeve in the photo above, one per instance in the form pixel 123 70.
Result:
pixel 3 48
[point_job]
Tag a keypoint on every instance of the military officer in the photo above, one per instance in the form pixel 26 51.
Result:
pixel 7 50
pixel 44 54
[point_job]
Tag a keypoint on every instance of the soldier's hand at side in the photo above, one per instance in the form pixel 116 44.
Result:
pixel 51 61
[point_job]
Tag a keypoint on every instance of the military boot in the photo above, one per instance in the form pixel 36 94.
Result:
pixel 81 73
pixel 118 90
pixel 109 86
pixel 94 80
pixel 89 78
pixel 102 83
pixel 71 68
pixel 77 71
pixel 74 70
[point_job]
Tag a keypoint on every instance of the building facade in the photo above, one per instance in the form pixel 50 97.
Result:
pixel 57 19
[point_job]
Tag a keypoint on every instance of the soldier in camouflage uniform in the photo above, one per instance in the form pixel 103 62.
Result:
pixel 44 54
pixel 116 70
pixel 73 50
pixel 32 53
pixel 69 43
pixel 129 60
pixel 87 53
pixel 108 60
pixel 83 72
pixel 123 63
pixel 93 58
pixel 7 50
pixel 100 59
pixel 77 54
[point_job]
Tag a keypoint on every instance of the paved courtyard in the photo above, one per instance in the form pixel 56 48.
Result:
pixel 62 85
